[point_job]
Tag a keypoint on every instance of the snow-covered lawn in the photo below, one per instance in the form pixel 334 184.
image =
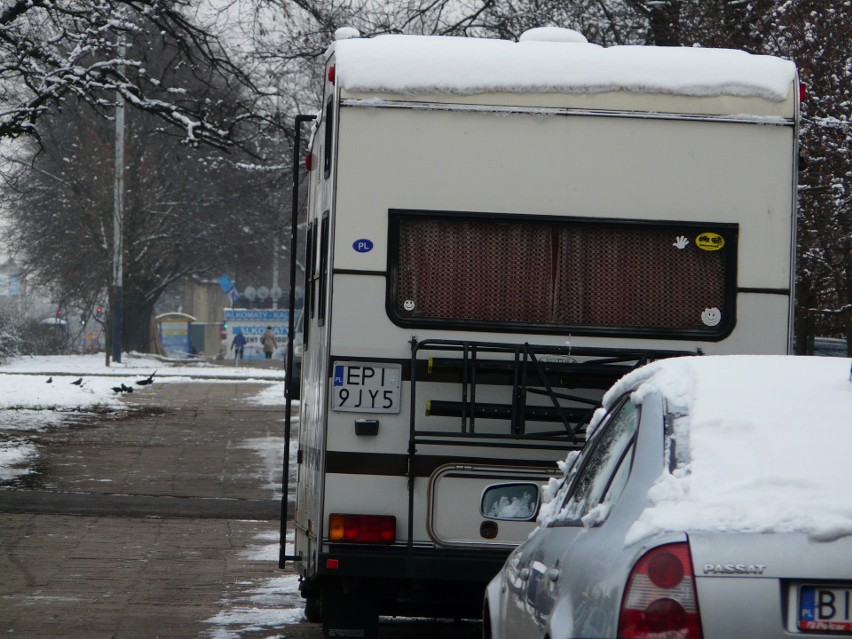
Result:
pixel 42 392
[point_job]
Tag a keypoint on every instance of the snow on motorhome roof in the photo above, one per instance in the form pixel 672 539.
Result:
pixel 763 444
pixel 412 65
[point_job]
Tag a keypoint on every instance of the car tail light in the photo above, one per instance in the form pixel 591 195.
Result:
pixel 660 600
pixel 364 529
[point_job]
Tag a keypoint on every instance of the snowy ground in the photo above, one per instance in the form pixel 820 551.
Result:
pixel 37 393
pixel 259 605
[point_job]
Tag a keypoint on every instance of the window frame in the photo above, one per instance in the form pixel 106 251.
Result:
pixel 711 334
pixel 310 274
pixel 328 140
pixel 582 464
pixel 324 241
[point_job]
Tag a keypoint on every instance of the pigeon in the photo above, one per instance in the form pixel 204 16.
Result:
pixel 78 382
pixel 49 380
pixel 147 380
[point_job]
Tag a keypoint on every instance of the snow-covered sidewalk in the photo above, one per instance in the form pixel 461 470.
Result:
pixel 41 392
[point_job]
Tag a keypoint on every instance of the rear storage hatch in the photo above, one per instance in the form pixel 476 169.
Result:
pixel 455 513
pixel 773 585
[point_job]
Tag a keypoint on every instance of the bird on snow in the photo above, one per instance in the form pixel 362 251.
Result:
pixel 49 380
pixel 147 380
pixel 126 389
pixel 78 382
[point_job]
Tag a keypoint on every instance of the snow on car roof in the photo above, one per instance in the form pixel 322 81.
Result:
pixel 409 64
pixel 764 445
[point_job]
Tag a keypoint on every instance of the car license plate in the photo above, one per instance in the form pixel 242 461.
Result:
pixel 825 608
pixel 362 387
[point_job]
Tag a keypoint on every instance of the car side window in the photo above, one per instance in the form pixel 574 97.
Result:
pixel 604 472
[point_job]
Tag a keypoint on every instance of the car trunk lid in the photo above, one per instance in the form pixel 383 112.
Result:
pixel 779 556
pixel 782 583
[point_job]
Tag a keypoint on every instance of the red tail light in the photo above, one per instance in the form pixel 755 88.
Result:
pixel 660 600
pixel 331 74
pixel 363 529
pixel 309 161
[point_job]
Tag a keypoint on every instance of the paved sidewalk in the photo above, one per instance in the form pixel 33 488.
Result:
pixel 93 577
pixel 147 555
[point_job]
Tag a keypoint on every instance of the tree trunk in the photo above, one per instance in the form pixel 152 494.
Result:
pixel 664 19
pixel 847 315
pixel 136 333
pixel 803 322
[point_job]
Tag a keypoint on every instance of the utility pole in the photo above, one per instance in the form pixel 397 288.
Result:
pixel 117 219
pixel 275 240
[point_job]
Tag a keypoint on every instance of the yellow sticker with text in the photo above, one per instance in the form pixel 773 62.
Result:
pixel 710 241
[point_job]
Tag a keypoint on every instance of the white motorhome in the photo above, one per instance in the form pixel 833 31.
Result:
pixel 496 232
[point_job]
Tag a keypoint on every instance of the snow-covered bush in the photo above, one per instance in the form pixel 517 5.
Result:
pixel 40 338
pixel 8 335
pixel 20 335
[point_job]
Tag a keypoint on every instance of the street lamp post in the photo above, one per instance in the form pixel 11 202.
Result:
pixel 118 214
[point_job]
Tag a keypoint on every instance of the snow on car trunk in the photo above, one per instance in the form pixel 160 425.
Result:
pixel 762 445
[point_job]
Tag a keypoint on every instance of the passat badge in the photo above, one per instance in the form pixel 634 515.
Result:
pixel 362 246
pixel 734 569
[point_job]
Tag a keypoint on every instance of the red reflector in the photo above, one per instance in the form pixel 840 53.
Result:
pixel 665 570
pixel 803 91
pixel 364 529
pixel 332 564
pixel 331 74
pixel 309 161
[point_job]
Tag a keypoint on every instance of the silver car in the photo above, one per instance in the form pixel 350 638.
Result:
pixel 713 501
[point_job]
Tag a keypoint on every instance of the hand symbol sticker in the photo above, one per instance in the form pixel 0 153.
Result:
pixel 681 242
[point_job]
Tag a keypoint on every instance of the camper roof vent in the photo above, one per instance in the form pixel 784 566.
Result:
pixel 553 34
pixel 346 33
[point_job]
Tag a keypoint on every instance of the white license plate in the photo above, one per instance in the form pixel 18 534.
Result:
pixel 825 608
pixel 362 387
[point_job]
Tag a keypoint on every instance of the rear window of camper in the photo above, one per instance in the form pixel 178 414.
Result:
pixel 519 273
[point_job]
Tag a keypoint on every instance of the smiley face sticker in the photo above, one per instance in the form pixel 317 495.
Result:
pixel 709 241
pixel 711 316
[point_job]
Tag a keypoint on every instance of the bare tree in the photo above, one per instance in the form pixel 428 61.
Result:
pixel 817 37
pixel 52 52
pixel 188 211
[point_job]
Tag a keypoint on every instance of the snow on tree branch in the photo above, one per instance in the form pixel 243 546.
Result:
pixel 52 51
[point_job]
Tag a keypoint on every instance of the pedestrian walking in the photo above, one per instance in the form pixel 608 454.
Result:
pixel 238 345
pixel 269 343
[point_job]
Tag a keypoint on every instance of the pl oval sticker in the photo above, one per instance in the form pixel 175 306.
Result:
pixel 710 241
pixel 362 246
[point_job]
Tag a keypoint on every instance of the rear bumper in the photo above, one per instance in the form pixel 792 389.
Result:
pixel 395 581
pixel 475 565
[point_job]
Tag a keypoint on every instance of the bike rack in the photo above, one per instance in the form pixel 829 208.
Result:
pixel 529 370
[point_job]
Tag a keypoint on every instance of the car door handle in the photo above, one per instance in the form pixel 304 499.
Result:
pixel 524 573
pixel 553 574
